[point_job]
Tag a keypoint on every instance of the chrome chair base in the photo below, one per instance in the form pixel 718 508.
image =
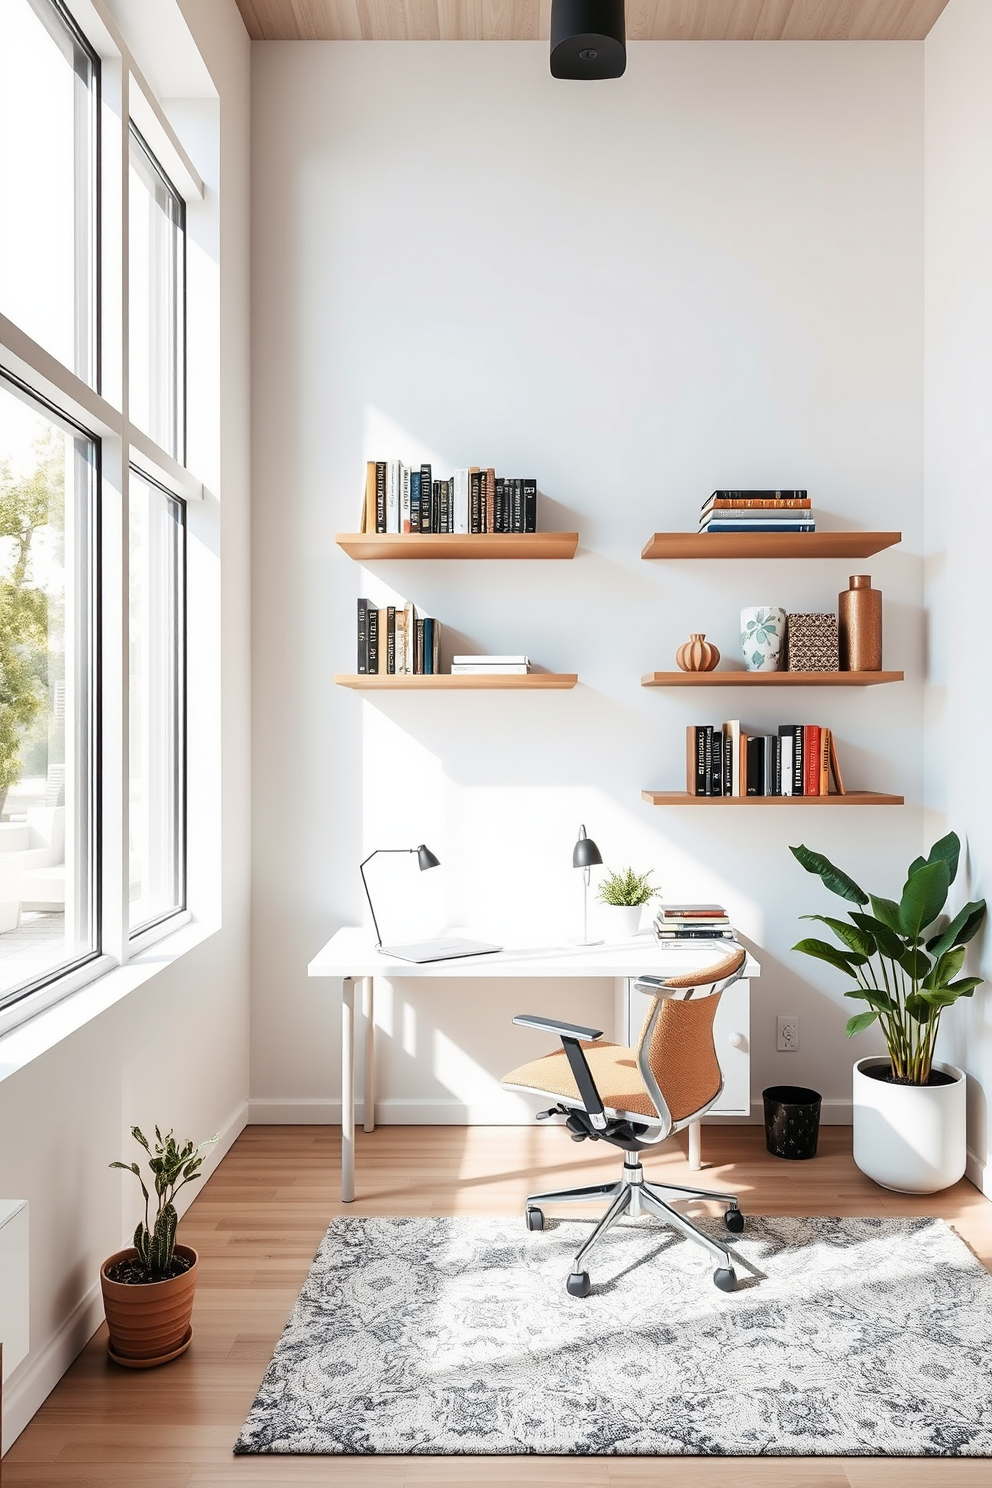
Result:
pixel 633 1195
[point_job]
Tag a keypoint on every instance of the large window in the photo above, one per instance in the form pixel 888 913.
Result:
pixel 47 670
pixel 48 153
pixel 93 505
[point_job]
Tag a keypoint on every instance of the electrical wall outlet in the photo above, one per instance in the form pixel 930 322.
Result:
pixel 788 1033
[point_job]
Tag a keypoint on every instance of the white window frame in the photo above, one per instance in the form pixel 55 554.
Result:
pixel 103 410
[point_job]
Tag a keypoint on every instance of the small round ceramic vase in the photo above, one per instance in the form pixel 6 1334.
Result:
pixel 763 637
pixel 697 655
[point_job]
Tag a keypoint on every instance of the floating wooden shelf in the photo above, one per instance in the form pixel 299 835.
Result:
pixel 367 547
pixel 853 798
pixel 769 679
pixel 444 682
pixel 768 544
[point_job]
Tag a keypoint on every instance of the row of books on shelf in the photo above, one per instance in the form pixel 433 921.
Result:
pixel 693 922
pixel 799 759
pixel 757 511
pixel 397 640
pixel 404 498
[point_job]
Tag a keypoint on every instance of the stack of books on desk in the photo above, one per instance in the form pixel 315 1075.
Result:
pixel 491 666
pixel 757 511
pixel 692 922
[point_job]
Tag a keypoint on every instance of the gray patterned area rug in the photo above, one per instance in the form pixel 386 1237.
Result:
pixel 846 1337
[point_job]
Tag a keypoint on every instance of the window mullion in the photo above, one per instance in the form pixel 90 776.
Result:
pixel 114 528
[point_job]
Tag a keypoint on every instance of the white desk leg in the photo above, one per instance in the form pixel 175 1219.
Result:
pixel 368 1012
pixel 347 1090
pixel 695 1146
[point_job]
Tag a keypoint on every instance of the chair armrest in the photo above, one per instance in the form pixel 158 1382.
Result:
pixel 655 986
pixel 552 1025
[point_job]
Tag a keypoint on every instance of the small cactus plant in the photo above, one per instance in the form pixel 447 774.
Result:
pixel 172 1167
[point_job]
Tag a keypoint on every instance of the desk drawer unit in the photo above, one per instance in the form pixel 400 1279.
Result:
pixel 731 1030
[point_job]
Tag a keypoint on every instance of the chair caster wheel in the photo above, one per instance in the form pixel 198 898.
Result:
pixel 725 1277
pixel 535 1218
pixel 734 1220
pixel 577 1284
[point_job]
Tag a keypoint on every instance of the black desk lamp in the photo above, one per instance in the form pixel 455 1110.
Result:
pixel 445 949
pixel 585 854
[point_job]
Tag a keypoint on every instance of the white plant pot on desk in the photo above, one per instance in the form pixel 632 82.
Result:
pixel 621 921
pixel 910 1138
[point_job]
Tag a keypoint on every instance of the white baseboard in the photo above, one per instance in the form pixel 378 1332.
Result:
pixel 294 1111
pixel 428 1111
pixel 832 1113
pixel 979 1172
pixel 393 1111
pixel 34 1380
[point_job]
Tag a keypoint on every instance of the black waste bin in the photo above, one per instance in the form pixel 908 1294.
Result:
pixel 792 1120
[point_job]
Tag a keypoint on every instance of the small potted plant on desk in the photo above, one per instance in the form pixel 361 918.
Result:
pixel 625 893
pixel 148 1287
pixel 909 1110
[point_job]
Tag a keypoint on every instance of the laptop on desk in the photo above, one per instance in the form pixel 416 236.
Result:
pixel 444 948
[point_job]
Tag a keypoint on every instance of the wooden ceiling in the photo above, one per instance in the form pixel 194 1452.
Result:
pixel 647 20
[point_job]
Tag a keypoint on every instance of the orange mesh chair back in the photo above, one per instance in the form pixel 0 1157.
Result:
pixel 676 1051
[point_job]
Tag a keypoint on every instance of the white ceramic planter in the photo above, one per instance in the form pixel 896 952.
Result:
pixel 621 921
pixel 909 1138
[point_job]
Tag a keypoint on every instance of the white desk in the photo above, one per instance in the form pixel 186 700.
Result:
pixel 351 955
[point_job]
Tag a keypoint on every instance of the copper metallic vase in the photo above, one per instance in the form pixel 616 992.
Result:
pixel 697 655
pixel 859 610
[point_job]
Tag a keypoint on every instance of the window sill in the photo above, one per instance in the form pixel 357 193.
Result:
pixel 42 1030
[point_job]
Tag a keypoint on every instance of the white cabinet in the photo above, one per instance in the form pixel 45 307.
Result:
pixel 13 1282
pixel 731 1032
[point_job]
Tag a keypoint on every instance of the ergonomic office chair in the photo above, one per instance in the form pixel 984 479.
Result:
pixel 634 1099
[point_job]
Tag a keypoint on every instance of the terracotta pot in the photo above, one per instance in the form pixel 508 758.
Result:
pixel 149 1324
pixel 697 655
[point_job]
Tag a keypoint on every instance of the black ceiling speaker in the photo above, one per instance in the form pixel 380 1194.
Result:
pixel 588 39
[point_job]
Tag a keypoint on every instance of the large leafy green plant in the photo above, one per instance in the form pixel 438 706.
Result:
pixel 172 1167
pixel 906 968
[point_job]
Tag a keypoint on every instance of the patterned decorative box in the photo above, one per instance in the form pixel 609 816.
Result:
pixel 813 644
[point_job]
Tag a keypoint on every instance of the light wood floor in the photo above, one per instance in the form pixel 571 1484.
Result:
pixel 257 1224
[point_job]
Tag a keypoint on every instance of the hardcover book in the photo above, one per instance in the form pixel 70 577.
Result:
pixel 415 478
pixel 380 495
pixel 461 500
pixel 393 478
pixel 391 640
pixel 363 637
pixel 530 504
pixel 373 624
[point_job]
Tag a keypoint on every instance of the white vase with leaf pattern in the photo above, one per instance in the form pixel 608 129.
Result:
pixel 763 637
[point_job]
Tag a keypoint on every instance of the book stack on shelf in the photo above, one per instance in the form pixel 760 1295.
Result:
pixel 404 498
pixel 693 922
pixel 490 666
pixel 797 760
pixel 395 640
pixel 757 511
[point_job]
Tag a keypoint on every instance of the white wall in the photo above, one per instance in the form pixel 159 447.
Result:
pixel 958 56
pixel 176 1049
pixel 708 274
